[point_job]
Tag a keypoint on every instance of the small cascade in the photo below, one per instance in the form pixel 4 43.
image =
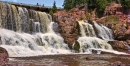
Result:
pixel 86 29
pixel 36 27
pixel 88 40
pixel 103 32
pixel 3 15
pixel 44 20
pixel 24 19
pixel 89 43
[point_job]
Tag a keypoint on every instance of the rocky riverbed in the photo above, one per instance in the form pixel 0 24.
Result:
pixel 72 60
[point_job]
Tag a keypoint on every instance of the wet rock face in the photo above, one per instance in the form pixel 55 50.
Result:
pixel 122 46
pixel 68 24
pixel 121 31
pixel 68 27
pixel 3 56
pixel 119 45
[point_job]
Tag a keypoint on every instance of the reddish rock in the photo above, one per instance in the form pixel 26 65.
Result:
pixel 3 56
pixel 68 25
pixel 117 63
pixel 119 45
pixel 128 42
pixel 119 32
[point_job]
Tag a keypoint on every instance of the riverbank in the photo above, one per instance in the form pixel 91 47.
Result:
pixel 73 60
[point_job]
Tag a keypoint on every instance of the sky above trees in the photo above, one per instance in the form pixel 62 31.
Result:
pixel 59 3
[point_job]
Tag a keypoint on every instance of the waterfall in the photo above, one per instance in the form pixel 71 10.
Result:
pixel 88 39
pixel 89 43
pixel 86 29
pixel 26 32
pixel 23 44
pixel 24 19
pixel 103 32
pixel 21 19
pixel 36 27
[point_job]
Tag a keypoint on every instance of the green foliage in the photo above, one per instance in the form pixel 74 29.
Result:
pixel 101 5
pixel 125 3
pixel 68 4
pixel 113 19
pixel 54 9
pixel 51 12
pixel 88 15
pixel 92 4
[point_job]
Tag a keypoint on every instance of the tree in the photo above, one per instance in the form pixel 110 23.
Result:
pixel 54 8
pixel 125 3
pixel 101 5
pixel 51 12
pixel 92 4
pixel 37 4
pixel 43 5
pixel 68 4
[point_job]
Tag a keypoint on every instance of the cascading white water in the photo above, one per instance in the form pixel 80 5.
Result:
pixel 103 32
pixel 23 44
pixel 37 35
pixel 34 34
pixel 36 27
pixel 88 39
pixel 89 43
pixel 86 29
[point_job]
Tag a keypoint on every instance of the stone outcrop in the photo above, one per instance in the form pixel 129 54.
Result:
pixel 68 24
pixel 119 45
pixel 3 56
pixel 116 9
pixel 122 46
pixel 68 27
pixel 121 29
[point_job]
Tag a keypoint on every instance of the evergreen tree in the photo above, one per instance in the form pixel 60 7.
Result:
pixel 43 5
pixel 68 4
pixel 54 8
pixel 125 3
pixel 101 5
pixel 92 4
pixel 37 4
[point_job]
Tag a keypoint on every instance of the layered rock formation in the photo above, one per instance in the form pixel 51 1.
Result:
pixel 68 25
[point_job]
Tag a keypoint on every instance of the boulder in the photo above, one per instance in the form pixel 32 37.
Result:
pixel 3 56
pixel 67 21
pixel 117 45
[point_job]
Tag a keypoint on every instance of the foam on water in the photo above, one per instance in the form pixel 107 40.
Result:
pixel 23 44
